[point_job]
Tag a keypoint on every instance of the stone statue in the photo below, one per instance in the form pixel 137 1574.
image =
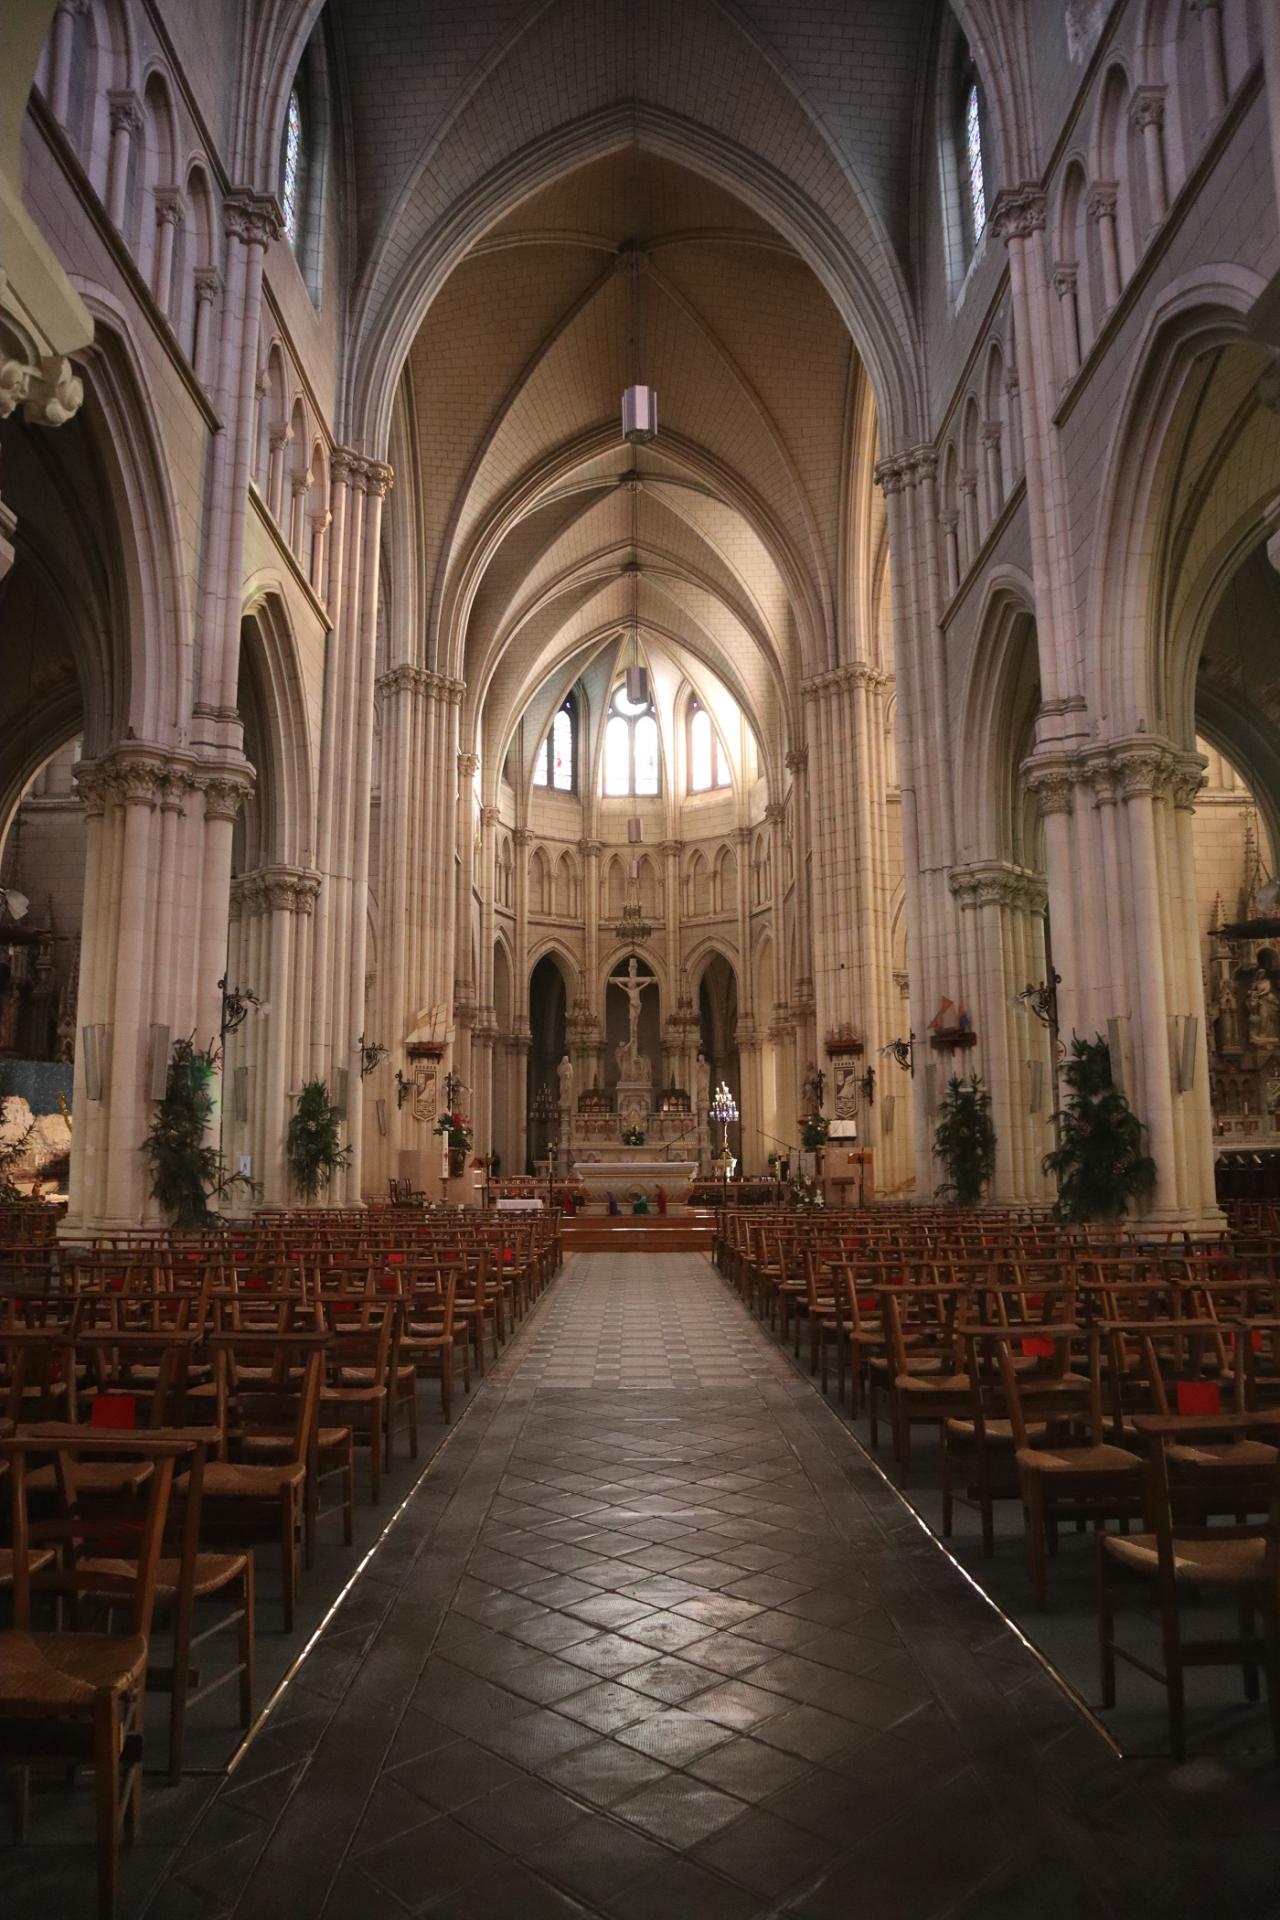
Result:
pixel 811 1089
pixel 1263 1012
pixel 702 1086
pixel 633 984
pixel 564 1073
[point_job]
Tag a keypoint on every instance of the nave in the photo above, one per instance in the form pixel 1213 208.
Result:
pixel 655 1636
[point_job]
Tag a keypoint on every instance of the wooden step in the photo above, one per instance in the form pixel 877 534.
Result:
pixel 639 1233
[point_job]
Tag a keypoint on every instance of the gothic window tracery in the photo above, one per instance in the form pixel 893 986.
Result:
pixel 554 766
pixel 291 171
pixel 632 754
pixel 708 761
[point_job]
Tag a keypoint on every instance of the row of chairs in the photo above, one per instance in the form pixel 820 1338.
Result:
pixel 160 1421
pixel 1134 1390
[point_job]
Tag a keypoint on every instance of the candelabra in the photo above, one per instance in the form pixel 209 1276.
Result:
pixel 372 1054
pixel 237 1002
pixel 724 1108
pixel 1042 1000
pixel 902 1053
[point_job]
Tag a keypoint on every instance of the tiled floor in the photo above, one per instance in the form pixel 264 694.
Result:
pixel 654 1639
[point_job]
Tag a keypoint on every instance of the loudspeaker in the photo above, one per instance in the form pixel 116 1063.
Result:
pixel 1187 1053
pixel 886 1114
pixel 90 1040
pixel 635 832
pixel 340 1091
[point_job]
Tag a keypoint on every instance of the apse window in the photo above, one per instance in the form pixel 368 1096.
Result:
pixel 291 171
pixel 708 761
pixel 975 178
pixel 554 766
pixel 632 756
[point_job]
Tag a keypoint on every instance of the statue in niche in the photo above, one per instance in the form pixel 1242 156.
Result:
pixel 564 1073
pixel 812 1088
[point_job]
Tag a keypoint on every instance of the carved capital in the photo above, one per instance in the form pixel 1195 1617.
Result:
pixel 1018 212
pixel 208 285
pixel 224 792
pixel 92 788
pixel 254 219
pixel 379 478
pixel 991 434
pixel 775 813
pixel 302 483
pixel 966 481
pixel 468 765
pixel 124 110
pixel 1051 783
pixel 922 462
pixel 307 888
pixel 1102 200
pixel 1065 278
pixel 171 207
pixel 798 760
pixel 521 837
pixel 1146 107
pixel 490 816
pixel 890 474
pixel 1143 771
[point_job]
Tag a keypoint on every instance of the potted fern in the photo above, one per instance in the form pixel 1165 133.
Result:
pixel 1098 1163
pixel 313 1145
pixel 187 1171
pixel 964 1141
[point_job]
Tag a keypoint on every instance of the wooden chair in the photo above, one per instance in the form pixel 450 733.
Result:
pixel 1181 1559
pixel 430 1335
pixel 1094 1481
pixel 358 1371
pixel 267 1499
pixel 928 1385
pixel 78 1696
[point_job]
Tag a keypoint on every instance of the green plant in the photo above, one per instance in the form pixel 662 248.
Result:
pixel 1098 1162
pixel 313 1145
pixel 187 1171
pixel 633 1137
pixel 964 1141
pixel 813 1132
pixel 456 1129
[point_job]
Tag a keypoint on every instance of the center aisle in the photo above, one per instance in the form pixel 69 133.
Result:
pixel 655 1639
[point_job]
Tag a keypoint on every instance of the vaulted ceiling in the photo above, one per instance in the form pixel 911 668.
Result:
pixel 533 515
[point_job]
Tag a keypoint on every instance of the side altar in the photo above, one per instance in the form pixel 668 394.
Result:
pixel 632 1139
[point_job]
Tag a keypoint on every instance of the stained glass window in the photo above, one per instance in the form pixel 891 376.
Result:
pixel 554 764
pixel 617 756
pixel 562 751
pixel 646 752
pixel 632 753
pixel 708 762
pixel 291 176
pixel 973 160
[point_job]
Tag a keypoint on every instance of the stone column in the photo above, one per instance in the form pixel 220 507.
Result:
pixel 1146 116
pixel 171 211
pixel 1213 64
pixel 62 56
pixel 1101 207
pixel 208 286
pixel 1066 286
pixel 124 111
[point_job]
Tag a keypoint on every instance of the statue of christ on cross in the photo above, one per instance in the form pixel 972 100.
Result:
pixel 633 984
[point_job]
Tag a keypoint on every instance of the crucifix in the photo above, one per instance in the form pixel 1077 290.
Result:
pixel 633 984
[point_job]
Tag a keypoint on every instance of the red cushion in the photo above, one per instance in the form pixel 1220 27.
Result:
pixel 1199 1396
pixel 115 1410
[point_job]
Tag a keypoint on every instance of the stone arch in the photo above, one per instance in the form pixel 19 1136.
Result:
pixel 1132 685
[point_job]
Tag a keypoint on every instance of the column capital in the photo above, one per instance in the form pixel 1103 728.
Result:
pixel 124 110
pixel 1065 277
pixel 171 206
pixel 379 478
pixel 1102 200
pixel 1051 780
pixel 468 765
pixel 1018 212
pixel 672 848
pixel 254 219
pixel 224 789
pixel 1146 107
pixel 490 816
pixel 775 813
pixel 798 760
pixel 208 284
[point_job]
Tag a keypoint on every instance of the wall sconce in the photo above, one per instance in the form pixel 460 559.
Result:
pixel 403 1089
pixel 372 1054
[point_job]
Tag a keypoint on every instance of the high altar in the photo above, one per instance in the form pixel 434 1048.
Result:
pixel 594 1129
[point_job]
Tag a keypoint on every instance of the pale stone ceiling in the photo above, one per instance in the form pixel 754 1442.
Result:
pixel 527 491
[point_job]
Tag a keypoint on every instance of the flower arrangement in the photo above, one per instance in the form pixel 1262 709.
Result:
pixel 806 1192
pixel 456 1129
pixel 633 1137
pixel 313 1145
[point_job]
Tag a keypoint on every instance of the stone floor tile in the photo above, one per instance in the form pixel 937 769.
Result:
pixel 679 1811
pixel 673 1737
